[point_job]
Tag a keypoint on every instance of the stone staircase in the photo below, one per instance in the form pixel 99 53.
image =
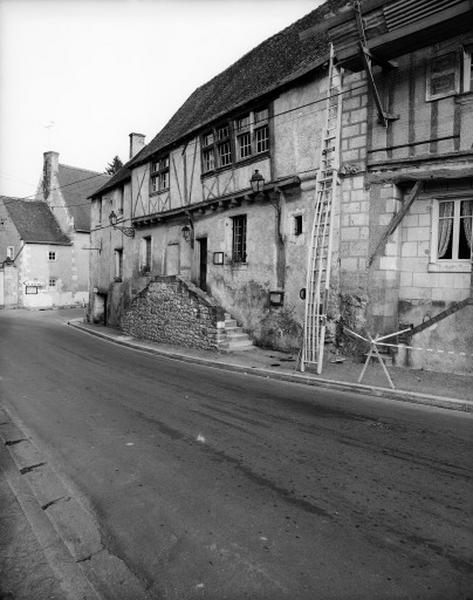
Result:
pixel 231 337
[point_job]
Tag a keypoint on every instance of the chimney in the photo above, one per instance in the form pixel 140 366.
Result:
pixel 50 171
pixel 137 141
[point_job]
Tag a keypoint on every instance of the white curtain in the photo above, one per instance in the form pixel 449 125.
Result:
pixel 445 227
pixel 466 214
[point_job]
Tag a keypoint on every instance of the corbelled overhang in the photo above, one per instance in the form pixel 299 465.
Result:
pixel 214 204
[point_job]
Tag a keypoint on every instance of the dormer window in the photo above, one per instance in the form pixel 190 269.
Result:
pixel 159 177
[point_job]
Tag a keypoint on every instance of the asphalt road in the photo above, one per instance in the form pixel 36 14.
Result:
pixel 217 485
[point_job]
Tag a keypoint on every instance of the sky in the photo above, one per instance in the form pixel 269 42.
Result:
pixel 78 76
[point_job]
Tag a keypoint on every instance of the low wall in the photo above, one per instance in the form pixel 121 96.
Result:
pixel 174 311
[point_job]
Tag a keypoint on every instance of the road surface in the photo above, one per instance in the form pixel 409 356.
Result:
pixel 218 485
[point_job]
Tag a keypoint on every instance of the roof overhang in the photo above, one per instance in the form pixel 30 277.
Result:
pixel 415 28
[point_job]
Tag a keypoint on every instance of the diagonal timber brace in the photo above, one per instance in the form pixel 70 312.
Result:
pixel 397 218
pixel 455 307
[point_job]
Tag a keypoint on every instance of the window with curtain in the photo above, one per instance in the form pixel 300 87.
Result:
pixel 454 233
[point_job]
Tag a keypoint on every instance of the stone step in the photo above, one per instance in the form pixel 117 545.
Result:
pixel 229 323
pixel 236 345
pixel 237 335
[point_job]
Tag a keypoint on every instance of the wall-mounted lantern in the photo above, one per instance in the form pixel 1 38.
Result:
pixel 128 231
pixel 257 182
pixel 218 258
pixel 187 233
pixel 276 298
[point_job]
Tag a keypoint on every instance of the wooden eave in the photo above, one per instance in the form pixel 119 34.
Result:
pixel 451 165
pixel 222 202
pixel 454 20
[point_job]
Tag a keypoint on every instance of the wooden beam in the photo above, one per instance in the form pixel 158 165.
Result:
pixel 455 307
pixel 397 218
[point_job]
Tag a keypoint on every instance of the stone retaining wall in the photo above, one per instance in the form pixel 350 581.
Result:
pixel 174 311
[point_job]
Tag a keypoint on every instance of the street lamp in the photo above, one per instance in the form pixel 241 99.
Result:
pixel 257 182
pixel 128 231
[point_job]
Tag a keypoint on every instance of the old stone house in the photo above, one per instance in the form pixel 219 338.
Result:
pixel 36 256
pixel 45 243
pixel 223 197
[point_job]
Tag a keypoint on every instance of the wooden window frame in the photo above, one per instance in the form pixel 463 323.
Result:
pixel 429 94
pixel 239 232
pixel 159 178
pixel 241 139
pixel 454 263
pixel 52 255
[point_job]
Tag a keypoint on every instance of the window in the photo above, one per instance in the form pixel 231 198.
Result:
pixel 443 77
pixel 298 225
pixel 239 239
pixel 452 227
pixel 120 200
pixel 146 254
pixel 467 70
pixel 51 255
pixel 240 139
pixel 118 264
pixel 3 223
pixel 99 211
pixel 52 282
pixel 252 134
pixel 11 252
pixel 208 159
pixel 159 180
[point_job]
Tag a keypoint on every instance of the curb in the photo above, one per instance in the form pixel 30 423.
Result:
pixel 359 388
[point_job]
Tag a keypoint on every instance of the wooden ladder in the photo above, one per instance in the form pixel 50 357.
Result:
pixel 320 249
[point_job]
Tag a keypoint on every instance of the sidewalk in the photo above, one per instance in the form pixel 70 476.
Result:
pixel 445 390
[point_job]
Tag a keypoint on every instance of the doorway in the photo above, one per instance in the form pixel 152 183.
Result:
pixel 203 263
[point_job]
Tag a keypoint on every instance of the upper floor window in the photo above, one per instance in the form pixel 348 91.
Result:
pixel 159 177
pixel 240 139
pixel 121 193
pixel 452 230
pixel 467 70
pixel 52 282
pixel 51 255
pixel 443 76
pixel 99 211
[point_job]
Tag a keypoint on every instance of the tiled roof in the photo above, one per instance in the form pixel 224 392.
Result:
pixel 272 64
pixel 34 221
pixel 76 187
pixel 124 174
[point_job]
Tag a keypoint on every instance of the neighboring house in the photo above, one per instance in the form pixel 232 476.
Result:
pixel 65 190
pixel 35 256
pixel 45 243
pixel 405 144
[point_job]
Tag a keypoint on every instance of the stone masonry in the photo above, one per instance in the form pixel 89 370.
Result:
pixel 175 311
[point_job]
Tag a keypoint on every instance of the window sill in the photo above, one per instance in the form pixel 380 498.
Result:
pixel 454 266
pixel 237 163
pixel 158 192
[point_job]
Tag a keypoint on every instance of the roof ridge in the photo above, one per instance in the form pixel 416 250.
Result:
pixel 82 169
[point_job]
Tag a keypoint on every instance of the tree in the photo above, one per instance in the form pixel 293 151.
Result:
pixel 114 166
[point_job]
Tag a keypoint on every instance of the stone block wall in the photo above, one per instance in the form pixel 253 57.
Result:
pixel 174 311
